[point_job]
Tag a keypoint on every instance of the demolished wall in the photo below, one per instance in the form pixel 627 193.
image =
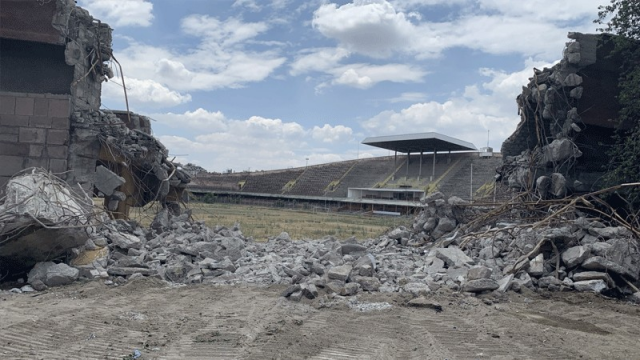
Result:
pixel 50 117
pixel 566 125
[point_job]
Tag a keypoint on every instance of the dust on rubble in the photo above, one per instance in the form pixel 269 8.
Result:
pixel 89 320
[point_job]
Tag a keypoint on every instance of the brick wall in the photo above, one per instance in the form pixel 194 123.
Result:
pixel 34 131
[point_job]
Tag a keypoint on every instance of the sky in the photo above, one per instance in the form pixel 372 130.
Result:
pixel 273 84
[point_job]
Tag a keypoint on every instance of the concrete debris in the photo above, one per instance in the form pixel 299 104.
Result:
pixel 179 250
pixel 52 274
pixel 423 302
pixel 57 218
pixel 572 103
pixel 107 181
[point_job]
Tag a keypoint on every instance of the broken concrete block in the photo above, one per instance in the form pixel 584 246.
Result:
pixel 416 289
pixel 290 290
pixel 423 302
pixel 594 275
pixel 365 266
pixel 505 283
pixel 572 80
pixel 296 296
pixel 596 286
pixel 601 263
pixel 536 266
pixel 340 272
pixel 368 283
pixel 574 256
pixel 349 289
pixel 125 241
pixel 309 291
pixel 576 92
pixel 453 256
pixel 558 185
pixel 445 225
pixel 479 272
pixel 107 181
pixel 52 274
pixel 352 248
pixel 480 285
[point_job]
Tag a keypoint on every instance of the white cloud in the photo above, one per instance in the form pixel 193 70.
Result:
pixel 318 59
pixel 380 28
pixel 364 76
pixel 221 33
pixel 143 93
pixel 487 106
pixel 120 13
pixel 249 4
pixel 369 27
pixel 408 97
pixel 331 134
pixel 199 119
pixel 219 61
pixel 221 143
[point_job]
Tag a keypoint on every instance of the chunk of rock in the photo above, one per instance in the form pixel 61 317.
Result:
pixel 368 283
pixel 445 225
pixel 505 283
pixel 596 286
pixel 349 289
pixel 107 181
pixel 536 266
pixel 339 272
pixel 594 275
pixel 480 285
pixel 416 289
pixel 453 256
pixel 601 263
pixel 309 291
pixel 479 272
pixel 365 266
pixel 52 274
pixel 125 241
pixel 352 248
pixel 423 302
pixel 574 256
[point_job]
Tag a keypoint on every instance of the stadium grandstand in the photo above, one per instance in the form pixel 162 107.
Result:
pixel 422 163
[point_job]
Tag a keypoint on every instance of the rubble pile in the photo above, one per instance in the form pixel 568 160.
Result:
pixel 582 255
pixel 560 145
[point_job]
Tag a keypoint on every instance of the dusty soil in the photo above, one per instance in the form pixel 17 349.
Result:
pixel 95 321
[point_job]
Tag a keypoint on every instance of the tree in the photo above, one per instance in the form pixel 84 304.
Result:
pixel 622 18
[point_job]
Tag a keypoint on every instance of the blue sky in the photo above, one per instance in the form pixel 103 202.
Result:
pixel 259 85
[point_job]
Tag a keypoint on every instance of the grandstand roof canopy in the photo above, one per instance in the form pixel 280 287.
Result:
pixel 426 142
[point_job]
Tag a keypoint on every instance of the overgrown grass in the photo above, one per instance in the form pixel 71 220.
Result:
pixel 262 222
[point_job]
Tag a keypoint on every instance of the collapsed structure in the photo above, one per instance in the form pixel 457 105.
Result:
pixel 54 57
pixel 50 118
pixel 567 121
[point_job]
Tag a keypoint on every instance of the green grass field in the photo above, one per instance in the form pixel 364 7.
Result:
pixel 261 222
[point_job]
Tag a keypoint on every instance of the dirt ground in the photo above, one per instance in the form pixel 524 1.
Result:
pixel 95 321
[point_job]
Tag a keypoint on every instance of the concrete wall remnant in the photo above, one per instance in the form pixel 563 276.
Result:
pixel 50 114
pixel 567 114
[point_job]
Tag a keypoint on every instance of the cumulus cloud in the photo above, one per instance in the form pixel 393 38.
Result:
pixel 364 76
pixel 318 59
pixel 487 106
pixel 143 93
pixel 408 97
pixel 219 143
pixel 120 13
pixel 369 27
pixel 220 60
pixel 380 28
pixel 331 134
pixel 199 119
